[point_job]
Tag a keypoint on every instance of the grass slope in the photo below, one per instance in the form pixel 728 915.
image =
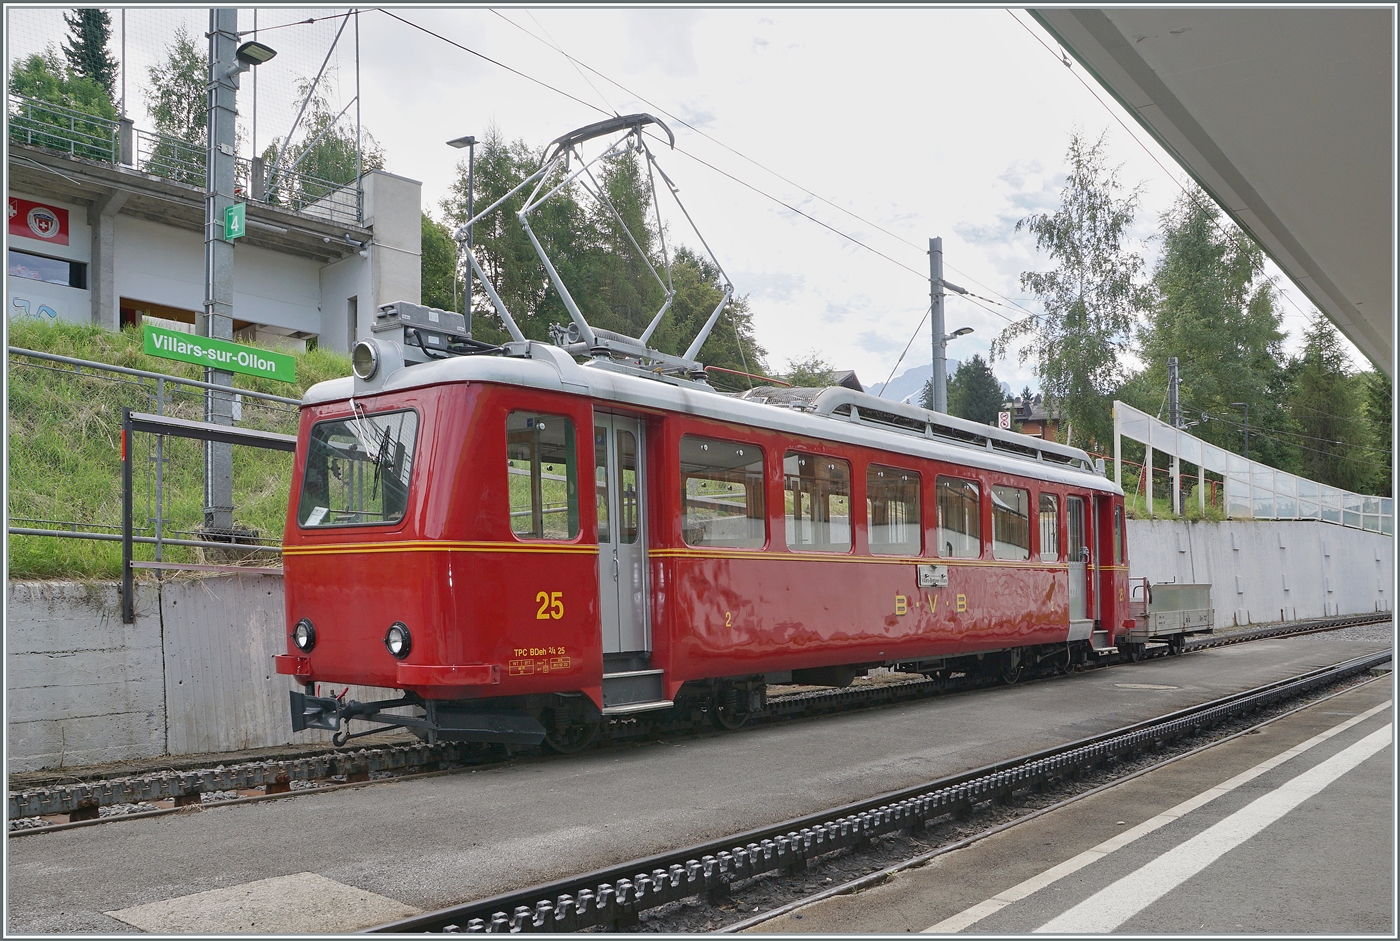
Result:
pixel 65 450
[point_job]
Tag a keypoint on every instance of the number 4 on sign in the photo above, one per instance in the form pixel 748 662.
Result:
pixel 235 221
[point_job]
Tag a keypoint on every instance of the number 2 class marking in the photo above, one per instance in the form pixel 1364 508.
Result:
pixel 728 619
pixel 551 605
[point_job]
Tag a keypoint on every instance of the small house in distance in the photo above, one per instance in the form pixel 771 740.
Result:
pixel 1030 413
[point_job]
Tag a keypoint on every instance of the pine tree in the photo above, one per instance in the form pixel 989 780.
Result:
pixel 87 48
pixel 1326 408
pixel 974 393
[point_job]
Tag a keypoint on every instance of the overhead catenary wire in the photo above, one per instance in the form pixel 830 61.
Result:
pixel 579 64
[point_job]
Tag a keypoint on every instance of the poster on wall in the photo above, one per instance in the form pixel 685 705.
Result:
pixel 37 221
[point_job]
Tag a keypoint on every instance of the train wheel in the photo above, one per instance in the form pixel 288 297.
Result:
pixel 569 739
pixel 1013 667
pixel 1176 645
pixel 727 719
pixel 1135 652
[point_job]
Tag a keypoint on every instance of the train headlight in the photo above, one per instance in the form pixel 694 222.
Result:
pixel 364 359
pixel 304 635
pixel 398 640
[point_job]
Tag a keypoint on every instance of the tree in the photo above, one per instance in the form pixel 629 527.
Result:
pixel 1090 300
pixel 44 78
pixel 87 49
pixel 812 371
pixel 1379 401
pixel 609 278
pixel 1326 408
pixel 974 393
pixel 325 158
pixel 178 99
pixel 438 263
pixel 1213 309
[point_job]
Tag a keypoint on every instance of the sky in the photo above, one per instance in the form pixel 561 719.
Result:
pixel 889 126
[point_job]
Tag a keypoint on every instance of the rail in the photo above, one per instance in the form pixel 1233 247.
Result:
pixel 182 428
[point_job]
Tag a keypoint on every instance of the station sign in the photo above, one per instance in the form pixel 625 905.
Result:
pixel 235 221
pixel 220 354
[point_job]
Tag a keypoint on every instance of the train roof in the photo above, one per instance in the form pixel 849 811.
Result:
pixel 834 414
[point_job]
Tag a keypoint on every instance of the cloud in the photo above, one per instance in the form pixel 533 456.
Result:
pixel 771 286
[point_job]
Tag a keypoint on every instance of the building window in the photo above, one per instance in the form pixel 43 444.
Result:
pixel 959 519
pixel 542 476
pixel 70 274
pixel 1049 528
pixel 1011 523
pixel 892 510
pixel 722 494
pixel 818 502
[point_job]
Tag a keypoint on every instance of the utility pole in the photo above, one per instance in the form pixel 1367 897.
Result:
pixel 940 339
pixel 218 261
pixel 1174 418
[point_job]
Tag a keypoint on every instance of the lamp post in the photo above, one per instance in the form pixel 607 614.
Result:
pixel 940 367
pixel 1245 406
pixel 227 60
pixel 468 142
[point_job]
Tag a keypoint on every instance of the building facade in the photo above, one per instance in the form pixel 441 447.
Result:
pixel 114 235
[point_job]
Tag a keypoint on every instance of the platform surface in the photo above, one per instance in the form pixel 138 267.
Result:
pixel 1289 830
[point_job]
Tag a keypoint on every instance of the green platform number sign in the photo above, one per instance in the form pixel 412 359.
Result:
pixel 220 354
pixel 235 221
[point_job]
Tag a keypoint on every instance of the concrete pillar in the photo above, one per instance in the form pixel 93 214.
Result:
pixel 102 279
pixel 1147 483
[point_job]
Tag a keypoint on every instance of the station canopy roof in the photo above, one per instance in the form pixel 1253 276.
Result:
pixel 1283 115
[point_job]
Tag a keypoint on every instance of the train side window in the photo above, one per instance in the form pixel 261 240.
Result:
pixel 959 519
pixel 817 501
pixel 1117 535
pixel 1049 527
pixel 722 494
pixel 1011 523
pixel 542 476
pixel 892 510
pixel 357 470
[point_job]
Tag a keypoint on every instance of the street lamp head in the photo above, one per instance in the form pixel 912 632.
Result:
pixel 254 53
pixel 461 142
pixel 960 332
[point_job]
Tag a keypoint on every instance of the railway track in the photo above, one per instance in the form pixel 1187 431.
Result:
pixel 614 898
pixel 262 780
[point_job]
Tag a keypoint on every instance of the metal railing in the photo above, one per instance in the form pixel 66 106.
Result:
pixel 115 388
pixel 1252 490
pixel 62 129
pixel 54 127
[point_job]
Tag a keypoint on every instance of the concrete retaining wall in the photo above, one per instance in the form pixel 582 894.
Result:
pixel 1268 571
pixel 194 674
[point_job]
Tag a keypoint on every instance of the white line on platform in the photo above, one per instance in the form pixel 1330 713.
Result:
pixel 996 903
pixel 1108 908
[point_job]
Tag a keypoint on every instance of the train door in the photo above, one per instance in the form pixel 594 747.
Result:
pixel 622 563
pixel 1105 560
pixel 1081 563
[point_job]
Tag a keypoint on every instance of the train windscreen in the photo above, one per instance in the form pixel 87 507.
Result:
pixel 358 469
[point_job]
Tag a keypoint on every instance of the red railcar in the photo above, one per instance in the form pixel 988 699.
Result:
pixel 525 545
